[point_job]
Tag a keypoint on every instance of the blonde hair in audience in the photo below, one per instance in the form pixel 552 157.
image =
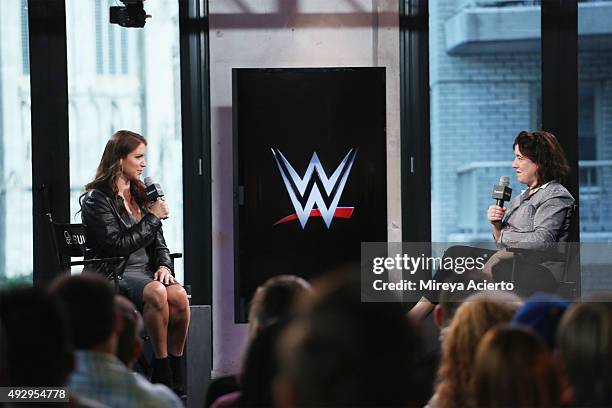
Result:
pixel 473 319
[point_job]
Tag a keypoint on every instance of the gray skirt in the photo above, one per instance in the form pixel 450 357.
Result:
pixel 132 284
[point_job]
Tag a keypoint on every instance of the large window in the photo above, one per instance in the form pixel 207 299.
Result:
pixel 485 81
pixel 126 78
pixel 595 138
pixel 15 146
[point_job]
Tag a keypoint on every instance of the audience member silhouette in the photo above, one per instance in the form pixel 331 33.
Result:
pixel 38 346
pixel 515 369
pixel 542 313
pixel 273 302
pixel 129 343
pixel 349 353
pixel 99 374
pixel 585 349
pixel 475 316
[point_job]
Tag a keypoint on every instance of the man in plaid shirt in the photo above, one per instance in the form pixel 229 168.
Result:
pixel 96 325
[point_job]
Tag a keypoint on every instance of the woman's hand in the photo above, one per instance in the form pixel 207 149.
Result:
pixel 164 276
pixel 159 208
pixel 495 214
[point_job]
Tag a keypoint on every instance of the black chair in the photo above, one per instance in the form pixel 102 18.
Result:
pixel 567 253
pixel 68 242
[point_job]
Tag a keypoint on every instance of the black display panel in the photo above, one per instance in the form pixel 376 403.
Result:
pixel 310 171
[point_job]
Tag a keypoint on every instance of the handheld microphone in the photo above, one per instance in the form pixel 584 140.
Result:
pixel 501 191
pixel 153 191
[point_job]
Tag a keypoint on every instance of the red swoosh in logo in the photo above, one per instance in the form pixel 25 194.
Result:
pixel 341 212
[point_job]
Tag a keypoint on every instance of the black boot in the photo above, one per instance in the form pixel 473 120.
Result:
pixel 161 373
pixel 176 365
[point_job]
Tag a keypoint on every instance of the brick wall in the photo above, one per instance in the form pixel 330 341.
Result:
pixel 478 105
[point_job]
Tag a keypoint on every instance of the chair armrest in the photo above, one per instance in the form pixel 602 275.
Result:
pixel 536 253
pixel 174 256
pixel 525 251
pixel 97 261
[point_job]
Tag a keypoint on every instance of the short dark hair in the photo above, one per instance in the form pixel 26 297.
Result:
pixel 543 149
pixel 260 367
pixel 38 346
pixel 352 353
pixel 89 300
pixel 273 301
pixel 132 325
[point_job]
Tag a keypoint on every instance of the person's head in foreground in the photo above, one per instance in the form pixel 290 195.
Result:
pixel 478 314
pixel 542 313
pixel 260 366
pixel 89 300
pixel 129 343
pixel 450 300
pixel 514 368
pixel 348 353
pixel 275 301
pixel 38 346
pixel 585 349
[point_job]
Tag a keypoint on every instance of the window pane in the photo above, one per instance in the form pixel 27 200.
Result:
pixel 485 80
pixel 16 258
pixel 595 136
pixel 126 78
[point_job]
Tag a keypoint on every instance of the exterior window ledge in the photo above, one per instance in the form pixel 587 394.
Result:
pixel 511 29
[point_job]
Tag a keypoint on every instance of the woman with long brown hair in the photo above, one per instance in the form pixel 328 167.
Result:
pixel 120 222
pixel 585 350
pixel 473 319
pixel 513 368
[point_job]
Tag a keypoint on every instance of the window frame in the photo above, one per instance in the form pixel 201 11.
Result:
pixel 50 136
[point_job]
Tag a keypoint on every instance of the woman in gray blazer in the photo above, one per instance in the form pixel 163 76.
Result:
pixel 538 218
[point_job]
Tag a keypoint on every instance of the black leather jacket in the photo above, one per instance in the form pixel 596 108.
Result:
pixel 109 235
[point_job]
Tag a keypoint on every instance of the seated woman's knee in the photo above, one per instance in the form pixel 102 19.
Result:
pixel 177 297
pixel 155 295
pixel 457 251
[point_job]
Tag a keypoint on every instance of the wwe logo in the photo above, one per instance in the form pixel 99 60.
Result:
pixel 333 185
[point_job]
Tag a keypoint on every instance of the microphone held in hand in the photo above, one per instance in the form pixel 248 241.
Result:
pixel 153 191
pixel 155 197
pixel 501 191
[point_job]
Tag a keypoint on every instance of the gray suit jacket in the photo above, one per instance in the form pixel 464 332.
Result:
pixel 537 219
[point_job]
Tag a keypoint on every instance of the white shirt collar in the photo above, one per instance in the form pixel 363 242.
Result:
pixel 537 188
